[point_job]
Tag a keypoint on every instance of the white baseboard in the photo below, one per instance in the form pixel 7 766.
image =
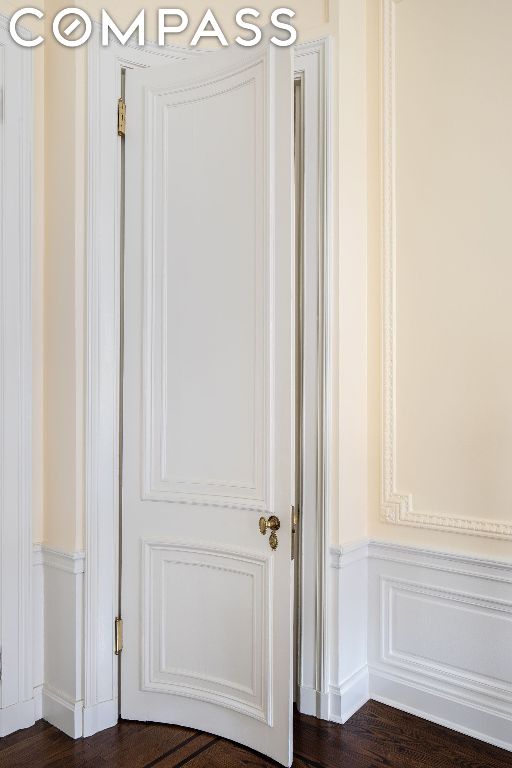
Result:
pixel 38 703
pixel 346 699
pixel 435 706
pixel 313 702
pixel 62 712
pixel 434 637
pixel 307 700
pixel 348 631
pixel 102 716
pixel 17 717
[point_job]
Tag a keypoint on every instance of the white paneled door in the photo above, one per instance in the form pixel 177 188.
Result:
pixel 208 397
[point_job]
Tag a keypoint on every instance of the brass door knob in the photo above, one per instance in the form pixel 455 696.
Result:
pixel 274 524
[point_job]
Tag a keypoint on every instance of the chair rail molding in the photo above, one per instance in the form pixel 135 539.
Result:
pixel 17 705
pixel 397 508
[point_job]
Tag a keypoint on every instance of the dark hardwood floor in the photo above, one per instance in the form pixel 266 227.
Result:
pixel 376 737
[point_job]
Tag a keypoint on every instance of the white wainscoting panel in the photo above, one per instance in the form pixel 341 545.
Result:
pixel 440 638
pixel 233 670
pixel 425 631
pixel 349 621
pixel 62 703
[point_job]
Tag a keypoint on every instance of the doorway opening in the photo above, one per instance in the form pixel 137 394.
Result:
pixel 102 468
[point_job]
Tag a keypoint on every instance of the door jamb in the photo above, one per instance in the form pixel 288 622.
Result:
pixel 18 706
pixel 312 61
pixel 312 65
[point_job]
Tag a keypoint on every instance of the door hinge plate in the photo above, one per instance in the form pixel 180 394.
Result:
pixel 118 636
pixel 295 522
pixel 121 117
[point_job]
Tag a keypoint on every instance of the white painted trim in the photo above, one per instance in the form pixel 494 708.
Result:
pixel 16 182
pixel 38 703
pixel 17 716
pixel 349 696
pixel 62 712
pixel 99 717
pixel 348 689
pixel 70 562
pixel 396 507
pixel 313 64
pixel 61 700
pixel 438 707
pixel 37 554
pixel 312 702
pixel 451 562
pixel 37 628
pixel 343 556
pixel 102 367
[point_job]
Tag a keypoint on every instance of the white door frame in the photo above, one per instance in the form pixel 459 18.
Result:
pixel 17 704
pixel 102 370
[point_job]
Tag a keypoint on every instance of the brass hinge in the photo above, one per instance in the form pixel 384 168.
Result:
pixel 295 522
pixel 118 636
pixel 121 117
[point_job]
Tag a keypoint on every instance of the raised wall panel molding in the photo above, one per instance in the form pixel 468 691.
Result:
pixel 397 508
pixel 439 637
pixel 485 613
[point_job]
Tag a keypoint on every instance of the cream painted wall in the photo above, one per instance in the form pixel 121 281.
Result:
pixel 350 161
pixel 356 429
pixel 65 189
pixel 453 107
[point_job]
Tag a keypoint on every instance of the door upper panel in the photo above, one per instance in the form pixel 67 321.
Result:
pixel 209 261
